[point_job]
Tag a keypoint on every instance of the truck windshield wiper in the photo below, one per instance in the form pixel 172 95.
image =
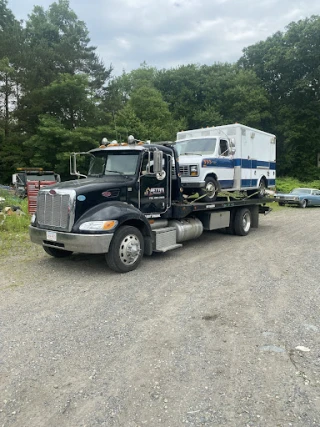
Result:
pixel 192 154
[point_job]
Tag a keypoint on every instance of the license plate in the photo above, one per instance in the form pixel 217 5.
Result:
pixel 52 236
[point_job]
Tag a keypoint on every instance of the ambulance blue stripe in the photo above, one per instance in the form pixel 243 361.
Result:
pixel 229 163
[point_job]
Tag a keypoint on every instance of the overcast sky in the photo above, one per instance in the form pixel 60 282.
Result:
pixel 168 33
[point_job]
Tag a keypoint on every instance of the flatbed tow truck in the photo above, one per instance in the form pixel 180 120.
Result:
pixel 131 204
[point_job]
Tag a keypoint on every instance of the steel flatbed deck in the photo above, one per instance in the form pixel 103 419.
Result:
pixel 183 209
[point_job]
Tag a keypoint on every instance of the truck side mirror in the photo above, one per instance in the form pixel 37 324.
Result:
pixel 157 161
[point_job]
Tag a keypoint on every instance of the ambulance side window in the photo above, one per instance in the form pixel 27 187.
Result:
pixel 224 149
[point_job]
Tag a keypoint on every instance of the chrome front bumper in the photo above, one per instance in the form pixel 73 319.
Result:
pixel 83 243
pixel 195 184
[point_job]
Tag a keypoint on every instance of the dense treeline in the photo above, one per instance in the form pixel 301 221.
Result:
pixel 56 96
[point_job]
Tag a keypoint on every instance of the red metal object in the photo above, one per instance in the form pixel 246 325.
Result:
pixel 33 188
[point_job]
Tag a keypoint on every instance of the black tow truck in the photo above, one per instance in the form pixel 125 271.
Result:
pixel 131 204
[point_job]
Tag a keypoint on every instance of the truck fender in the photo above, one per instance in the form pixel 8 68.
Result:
pixel 122 212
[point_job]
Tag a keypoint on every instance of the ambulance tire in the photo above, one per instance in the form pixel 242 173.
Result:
pixel 260 192
pixel 210 190
pixel 242 222
pixel 56 253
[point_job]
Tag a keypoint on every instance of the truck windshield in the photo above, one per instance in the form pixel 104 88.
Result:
pixel 197 146
pixel 113 164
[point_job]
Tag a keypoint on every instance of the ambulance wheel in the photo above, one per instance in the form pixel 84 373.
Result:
pixel 57 253
pixel 242 222
pixel 210 190
pixel 260 192
pixel 126 249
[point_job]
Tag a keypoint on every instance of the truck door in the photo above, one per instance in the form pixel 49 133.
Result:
pixel 226 165
pixel 154 193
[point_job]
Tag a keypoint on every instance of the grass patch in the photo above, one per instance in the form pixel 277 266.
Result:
pixel 286 184
pixel 13 228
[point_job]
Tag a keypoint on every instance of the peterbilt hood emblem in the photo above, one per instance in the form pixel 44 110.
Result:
pixel 52 192
pixel 106 194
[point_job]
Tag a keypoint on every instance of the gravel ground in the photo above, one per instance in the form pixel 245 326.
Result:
pixel 202 336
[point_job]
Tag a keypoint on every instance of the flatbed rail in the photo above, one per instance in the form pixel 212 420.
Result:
pixel 183 209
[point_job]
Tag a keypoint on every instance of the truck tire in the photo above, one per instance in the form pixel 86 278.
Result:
pixel 210 190
pixel 242 222
pixel 126 249
pixel 57 253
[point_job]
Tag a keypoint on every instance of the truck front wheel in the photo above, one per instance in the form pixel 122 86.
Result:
pixel 242 222
pixel 126 249
pixel 56 253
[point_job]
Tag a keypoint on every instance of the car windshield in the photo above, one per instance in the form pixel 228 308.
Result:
pixel 113 164
pixel 300 191
pixel 196 146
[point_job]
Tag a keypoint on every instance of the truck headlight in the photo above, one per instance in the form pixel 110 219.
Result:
pixel 194 170
pixel 98 225
pixel 33 218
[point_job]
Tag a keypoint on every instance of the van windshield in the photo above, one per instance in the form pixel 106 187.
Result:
pixel 196 146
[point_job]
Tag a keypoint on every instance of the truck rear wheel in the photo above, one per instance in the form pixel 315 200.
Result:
pixel 242 222
pixel 126 249
pixel 57 253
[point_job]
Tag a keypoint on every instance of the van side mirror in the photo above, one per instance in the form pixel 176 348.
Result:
pixel 157 161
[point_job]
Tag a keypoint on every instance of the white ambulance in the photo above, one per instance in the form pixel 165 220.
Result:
pixel 226 158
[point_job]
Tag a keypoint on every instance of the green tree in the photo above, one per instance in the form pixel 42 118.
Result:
pixel 70 120
pixel 148 114
pixel 288 64
pixel 57 42
pixel 10 44
pixel 214 95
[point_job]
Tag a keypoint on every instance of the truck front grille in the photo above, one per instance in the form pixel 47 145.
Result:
pixel 55 211
pixel 184 170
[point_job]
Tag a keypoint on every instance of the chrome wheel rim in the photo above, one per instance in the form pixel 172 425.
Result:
pixel 210 189
pixel 262 188
pixel 246 222
pixel 130 249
